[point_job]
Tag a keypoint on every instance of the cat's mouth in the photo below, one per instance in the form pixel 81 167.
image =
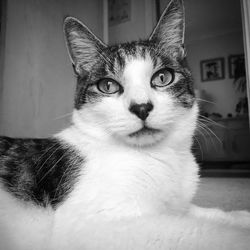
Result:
pixel 145 131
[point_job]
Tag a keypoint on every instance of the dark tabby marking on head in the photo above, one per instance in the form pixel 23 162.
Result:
pixel 95 60
pixel 117 56
pixel 39 170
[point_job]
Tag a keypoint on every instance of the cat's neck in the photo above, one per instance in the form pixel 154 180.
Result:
pixel 120 180
pixel 83 134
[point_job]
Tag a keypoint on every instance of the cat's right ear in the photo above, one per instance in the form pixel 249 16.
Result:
pixel 83 46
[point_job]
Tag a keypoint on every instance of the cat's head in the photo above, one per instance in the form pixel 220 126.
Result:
pixel 139 92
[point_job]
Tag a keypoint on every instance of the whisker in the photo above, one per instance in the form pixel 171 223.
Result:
pixel 203 135
pixel 68 168
pixel 51 168
pixel 211 123
pixel 46 151
pixel 210 120
pixel 48 159
pixel 161 161
pixel 210 136
pixel 211 131
pixel 65 115
pixel 196 139
pixel 203 100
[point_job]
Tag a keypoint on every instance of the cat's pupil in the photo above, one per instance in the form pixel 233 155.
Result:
pixel 162 77
pixel 108 86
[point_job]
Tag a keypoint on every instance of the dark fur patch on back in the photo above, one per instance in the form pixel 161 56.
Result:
pixel 42 171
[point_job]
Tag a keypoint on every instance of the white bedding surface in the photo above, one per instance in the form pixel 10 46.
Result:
pixel 225 193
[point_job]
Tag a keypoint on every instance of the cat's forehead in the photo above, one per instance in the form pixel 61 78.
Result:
pixel 138 69
pixel 132 56
pixel 131 49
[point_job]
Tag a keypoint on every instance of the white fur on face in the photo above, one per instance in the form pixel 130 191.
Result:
pixel 111 116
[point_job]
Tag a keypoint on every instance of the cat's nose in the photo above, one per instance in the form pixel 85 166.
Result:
pixel 141 110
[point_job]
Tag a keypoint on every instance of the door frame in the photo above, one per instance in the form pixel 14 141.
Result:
pixel 245 13
pixel 3 14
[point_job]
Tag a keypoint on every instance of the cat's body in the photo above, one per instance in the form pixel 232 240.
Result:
pixel 131 207
pixel 122 176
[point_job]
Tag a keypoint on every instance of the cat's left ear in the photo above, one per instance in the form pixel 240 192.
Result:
pixel 83 46
pixel 169 31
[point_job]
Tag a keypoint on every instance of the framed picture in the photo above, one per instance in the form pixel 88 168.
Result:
pixel 212 69
pixel 236 66
pixel 119 11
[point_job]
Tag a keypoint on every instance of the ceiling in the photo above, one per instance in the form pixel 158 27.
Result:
pixel 209 18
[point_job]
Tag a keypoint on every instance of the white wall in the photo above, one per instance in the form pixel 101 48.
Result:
pixel 139 26
pixel 38 83
pixel 221 92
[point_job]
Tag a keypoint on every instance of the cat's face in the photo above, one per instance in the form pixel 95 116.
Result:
pixel 137 92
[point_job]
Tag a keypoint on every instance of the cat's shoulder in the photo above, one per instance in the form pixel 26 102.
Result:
pixel 38 170
pixel 9 145
pixel 28 149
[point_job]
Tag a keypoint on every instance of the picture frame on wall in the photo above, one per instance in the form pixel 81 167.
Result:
pixel 119 11
pixel 212 69
pixel 236 66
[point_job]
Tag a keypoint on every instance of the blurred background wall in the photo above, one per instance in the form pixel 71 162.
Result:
pixel 37 86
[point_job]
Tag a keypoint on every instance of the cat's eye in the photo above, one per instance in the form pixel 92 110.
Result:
pixel 162 78
pixel 108 86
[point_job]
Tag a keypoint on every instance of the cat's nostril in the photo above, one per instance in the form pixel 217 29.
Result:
pixel 141 110
pixel 149 106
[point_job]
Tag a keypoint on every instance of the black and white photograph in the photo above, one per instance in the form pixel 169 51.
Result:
pixel 124 125
pixel 212 69
pixel 119 11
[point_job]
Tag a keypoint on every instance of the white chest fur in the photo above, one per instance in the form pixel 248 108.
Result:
pixel 121 181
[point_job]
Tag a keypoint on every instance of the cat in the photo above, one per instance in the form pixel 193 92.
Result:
pixel 122 176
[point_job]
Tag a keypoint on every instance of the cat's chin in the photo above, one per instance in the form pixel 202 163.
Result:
pixel 144 137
